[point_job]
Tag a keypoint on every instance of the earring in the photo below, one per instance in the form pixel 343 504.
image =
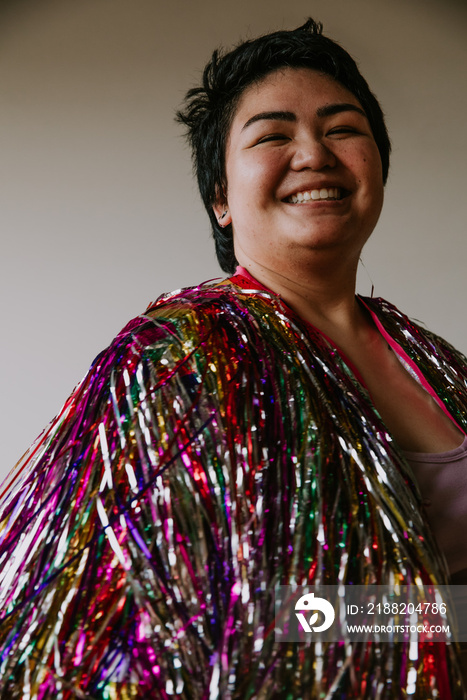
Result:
pixel 222 217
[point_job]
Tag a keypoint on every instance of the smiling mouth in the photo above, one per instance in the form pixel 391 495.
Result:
pixel 315 195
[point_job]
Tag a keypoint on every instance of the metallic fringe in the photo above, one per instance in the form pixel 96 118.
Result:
pixel 219 447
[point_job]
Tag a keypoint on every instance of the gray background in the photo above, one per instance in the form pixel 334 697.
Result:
pixel 99 213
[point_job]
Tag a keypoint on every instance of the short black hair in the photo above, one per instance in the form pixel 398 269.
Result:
pixel 210 108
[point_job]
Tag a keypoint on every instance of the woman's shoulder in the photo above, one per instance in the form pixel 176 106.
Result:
pixel 411 330
pixel 208 297
pixel 196 309
pixel 441 364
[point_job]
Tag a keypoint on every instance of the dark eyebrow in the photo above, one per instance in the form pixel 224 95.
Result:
pixel 330 110
pixel 272 116
pixel 326 111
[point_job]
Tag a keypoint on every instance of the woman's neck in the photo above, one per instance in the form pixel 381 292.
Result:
pixel 326 300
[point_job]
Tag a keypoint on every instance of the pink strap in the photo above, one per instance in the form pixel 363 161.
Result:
pixel 401 352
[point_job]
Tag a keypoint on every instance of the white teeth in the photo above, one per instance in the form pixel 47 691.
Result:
pixel 324 193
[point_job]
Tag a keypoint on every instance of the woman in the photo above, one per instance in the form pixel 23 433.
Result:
pixel 243 435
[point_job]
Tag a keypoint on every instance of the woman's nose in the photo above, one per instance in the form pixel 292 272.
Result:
pixel 313 154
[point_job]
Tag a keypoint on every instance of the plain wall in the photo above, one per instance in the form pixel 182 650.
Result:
pixel 99 213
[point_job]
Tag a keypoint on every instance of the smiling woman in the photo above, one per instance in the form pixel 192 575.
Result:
pixel 267 430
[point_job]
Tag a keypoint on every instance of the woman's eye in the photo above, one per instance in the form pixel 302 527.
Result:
pixel 343 130
pixel 272 137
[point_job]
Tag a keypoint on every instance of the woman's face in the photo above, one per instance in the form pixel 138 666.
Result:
pixel 303 170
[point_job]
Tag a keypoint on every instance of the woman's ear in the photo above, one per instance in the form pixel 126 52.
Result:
pixel 221 210
pixel 222 214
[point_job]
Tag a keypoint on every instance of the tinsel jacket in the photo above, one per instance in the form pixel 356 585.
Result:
pixel 219 447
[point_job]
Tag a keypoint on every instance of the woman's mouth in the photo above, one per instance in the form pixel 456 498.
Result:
pixel 309 195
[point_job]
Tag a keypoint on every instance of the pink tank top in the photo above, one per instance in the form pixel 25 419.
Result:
pixel 442 479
